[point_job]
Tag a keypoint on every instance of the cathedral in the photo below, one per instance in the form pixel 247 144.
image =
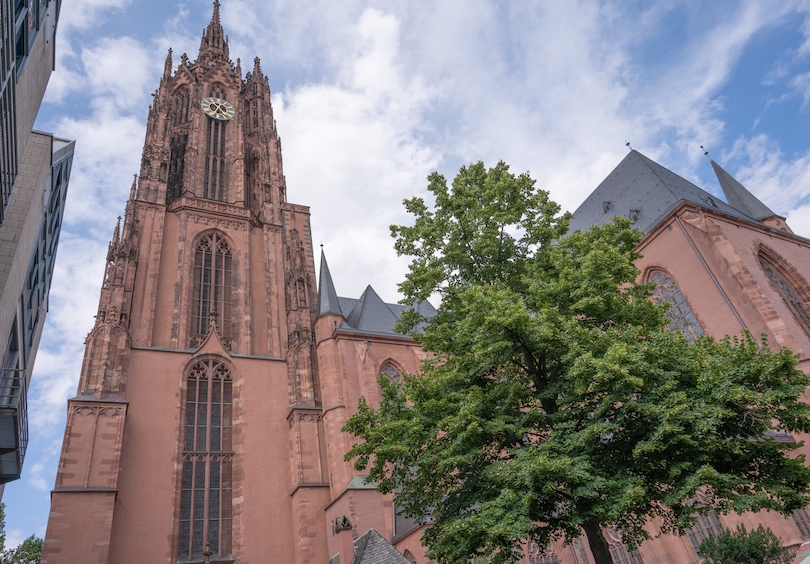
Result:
pixel 220 371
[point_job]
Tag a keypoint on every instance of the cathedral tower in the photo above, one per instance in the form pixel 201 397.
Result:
pixel 195 434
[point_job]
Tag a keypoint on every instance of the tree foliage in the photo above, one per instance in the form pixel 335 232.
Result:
pixel 760 546
pixel 556 401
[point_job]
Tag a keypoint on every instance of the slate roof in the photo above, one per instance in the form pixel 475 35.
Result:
pixel 327 296
pixel 643 190
pixel 366 314
pixel 372 548
pixel 738 196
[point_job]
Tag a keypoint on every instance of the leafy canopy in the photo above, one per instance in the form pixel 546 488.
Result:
pixel 760 546
pixel 556 401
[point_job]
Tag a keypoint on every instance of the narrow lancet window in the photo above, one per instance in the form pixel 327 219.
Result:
pixel 177 164
pixel 680 313
pixel 207 474
pixel 787 292
pixel 215 174
pixel 180 113
pixel 213 285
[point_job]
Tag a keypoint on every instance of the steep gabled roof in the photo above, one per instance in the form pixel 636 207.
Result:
pixel 739 197
pixel 370 313
pixel 372 548
pixel 646 192
pixel 327 296
pixel 365 315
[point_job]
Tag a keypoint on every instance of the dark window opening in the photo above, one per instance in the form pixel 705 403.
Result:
pixel 214 176
pixel 681 316
pixel 207 473
pixel 213 284
pixel 177 160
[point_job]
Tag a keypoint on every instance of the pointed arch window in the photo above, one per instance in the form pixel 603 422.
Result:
pixel 177 165
pixel 680 313
pixel 391 372
pixel 180 107
pixel 207 474
pixel 214 177
pixel 787 292
pixel 252 173
pixel 215 174
pixel 538 555
pixel 213 287
pixel 705 526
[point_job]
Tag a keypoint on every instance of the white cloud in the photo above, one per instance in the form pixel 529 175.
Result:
pixel 117 69
pixel 73 303
pixel 34 477
pixel 782 183
pixel 84 14
pixel 15 537
pixel 108 150
pixel 351 150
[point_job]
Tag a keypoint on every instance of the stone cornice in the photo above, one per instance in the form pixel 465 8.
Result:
pixel 753 225
pixel 211 207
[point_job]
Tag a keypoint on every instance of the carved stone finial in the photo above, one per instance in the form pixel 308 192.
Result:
pixel 212 321
pixel 167 67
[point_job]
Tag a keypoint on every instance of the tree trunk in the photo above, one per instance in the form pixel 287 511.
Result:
pixel 597 542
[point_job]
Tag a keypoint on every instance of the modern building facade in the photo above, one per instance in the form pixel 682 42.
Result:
pixel 34 173
pixel 218 375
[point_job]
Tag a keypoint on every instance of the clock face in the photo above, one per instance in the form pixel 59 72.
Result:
pixel 218 108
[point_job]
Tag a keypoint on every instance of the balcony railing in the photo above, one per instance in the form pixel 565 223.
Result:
pixel 13 423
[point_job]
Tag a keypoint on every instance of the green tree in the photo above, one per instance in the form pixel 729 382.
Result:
pixel 29 552
pixel 556 401
pixel 760 546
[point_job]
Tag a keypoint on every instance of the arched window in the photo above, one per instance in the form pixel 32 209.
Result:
pixel 705 526
pixel 177 165
pixel 205 496
pixel 391 372
pixel 213 284
pixel 539 555
pixel 215 175
pixel 252 176
pixel 787 292
pixel 619 551
pixel 680 313
pixel 180 109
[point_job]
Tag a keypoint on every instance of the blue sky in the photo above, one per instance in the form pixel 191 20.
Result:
pixel 371 96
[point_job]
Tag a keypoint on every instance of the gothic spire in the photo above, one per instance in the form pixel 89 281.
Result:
pixel 327 296
pixel 117 232
pixel 215 16
pixel 167 66
pixel 739 197
pixel 213 42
